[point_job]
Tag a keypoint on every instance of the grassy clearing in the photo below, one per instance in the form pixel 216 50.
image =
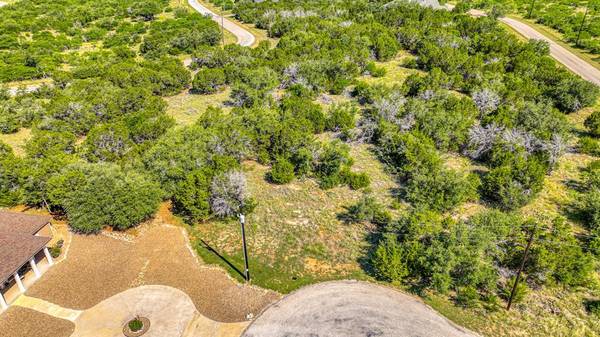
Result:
pixel 294 235
pixel 395 73
pixel 17 140
pixel 186 107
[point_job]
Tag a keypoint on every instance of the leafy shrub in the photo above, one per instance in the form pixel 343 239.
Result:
pixel 367 209
pixel 589 146
pixel 590 208
pixel 282 171
pixel 515 181
pixel 388 260
pixel 56 249
pixel 355 180
pixel 593 307
pixel 374 70
pixel 341 117
pixel 520 292
pixel 135 325
pixel 593 123
pixel 467 297
pixel 208 81
pixel 107 143
pixel 98 195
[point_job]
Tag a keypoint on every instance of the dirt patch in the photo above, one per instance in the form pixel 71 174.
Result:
pixel 100 266
pixel 22 322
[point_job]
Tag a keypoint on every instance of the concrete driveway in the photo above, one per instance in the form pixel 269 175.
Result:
pixel 245 38
pixel 351 309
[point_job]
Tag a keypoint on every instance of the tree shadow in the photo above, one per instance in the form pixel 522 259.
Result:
pixel 212 250
pixel 365 259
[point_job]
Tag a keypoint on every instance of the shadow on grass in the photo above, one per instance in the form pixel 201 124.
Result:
pixel 212 250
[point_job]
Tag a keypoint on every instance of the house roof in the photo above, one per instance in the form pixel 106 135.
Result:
pixel 22 223
pixel 18 242
pixel 16 249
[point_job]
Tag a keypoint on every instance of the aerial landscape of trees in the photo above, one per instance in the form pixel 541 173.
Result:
pixel 103 150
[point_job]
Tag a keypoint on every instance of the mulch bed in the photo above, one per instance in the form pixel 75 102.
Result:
pixel 99 267
pixel 22 322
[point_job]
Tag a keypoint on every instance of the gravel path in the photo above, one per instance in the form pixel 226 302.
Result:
pixel 245 38
pixel 351 309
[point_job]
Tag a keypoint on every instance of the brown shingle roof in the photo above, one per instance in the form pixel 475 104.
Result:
pixel 16 249
pixel 18 242
pixel 22 223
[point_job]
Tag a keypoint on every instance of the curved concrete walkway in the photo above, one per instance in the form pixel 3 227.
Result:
pixel 170 311
pixel 351 309
pixel 245 38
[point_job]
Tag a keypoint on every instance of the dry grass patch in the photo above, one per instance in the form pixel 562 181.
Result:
pixel 549 312
pixel 17 140
pixel 186 107
pixel 395 72
pixel 294 235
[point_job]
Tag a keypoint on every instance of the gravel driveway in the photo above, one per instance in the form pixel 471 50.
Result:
pixel 351 309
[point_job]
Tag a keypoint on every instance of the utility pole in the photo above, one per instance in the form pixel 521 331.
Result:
pixel 246 270
pixel 531 9
pixel 518 278
pixel 222 27
pixel 587 8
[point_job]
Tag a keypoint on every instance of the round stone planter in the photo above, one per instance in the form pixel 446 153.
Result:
pixel 145 327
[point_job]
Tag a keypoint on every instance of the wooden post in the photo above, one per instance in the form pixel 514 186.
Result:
pixel 518 278
pixel 531 9
pixel 587 8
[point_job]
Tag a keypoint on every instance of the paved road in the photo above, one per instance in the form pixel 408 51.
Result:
pixel 351 309
pixel 245 38
pixel 561 54
pixel 564 56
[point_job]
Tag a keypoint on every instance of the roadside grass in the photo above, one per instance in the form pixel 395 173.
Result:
pixel 186 107
pixel 547 312
pixel 294 235
pixel 17 140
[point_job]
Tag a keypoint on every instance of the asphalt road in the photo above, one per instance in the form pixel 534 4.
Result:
pixel 351 309
pixel 245 38
pixel 568 59
pixel 558 52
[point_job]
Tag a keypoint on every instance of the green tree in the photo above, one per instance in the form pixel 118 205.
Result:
pixel 282 171
pixel 106 195
pixel 593 123
pixel 208 81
